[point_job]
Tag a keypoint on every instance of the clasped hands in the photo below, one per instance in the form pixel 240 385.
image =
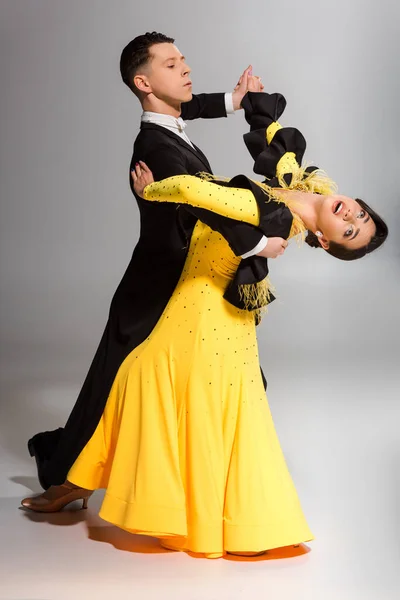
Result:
pixel 247 83
pixel 142 176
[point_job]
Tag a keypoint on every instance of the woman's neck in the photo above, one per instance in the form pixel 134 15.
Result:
pixel 304 204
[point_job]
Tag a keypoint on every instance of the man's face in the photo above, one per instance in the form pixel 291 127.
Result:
pixel 167 75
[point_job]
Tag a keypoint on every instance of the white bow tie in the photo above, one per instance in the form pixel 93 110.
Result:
pixel 180 123
pixel 172 123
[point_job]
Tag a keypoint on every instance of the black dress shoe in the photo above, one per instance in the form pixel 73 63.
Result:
pixel 42 447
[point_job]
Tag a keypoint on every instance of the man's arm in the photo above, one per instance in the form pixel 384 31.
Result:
pixel 204 106
pixel 163 159
pixel 212 106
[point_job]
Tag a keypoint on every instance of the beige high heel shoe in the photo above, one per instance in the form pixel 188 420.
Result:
pixel 57 497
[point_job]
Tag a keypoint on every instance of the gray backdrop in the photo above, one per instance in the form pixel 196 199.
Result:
pixel 329 345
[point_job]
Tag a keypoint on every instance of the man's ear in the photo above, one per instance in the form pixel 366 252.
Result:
pixel 142 84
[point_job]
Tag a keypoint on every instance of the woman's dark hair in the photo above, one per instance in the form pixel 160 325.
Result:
pixel 137 53
pixel 343 253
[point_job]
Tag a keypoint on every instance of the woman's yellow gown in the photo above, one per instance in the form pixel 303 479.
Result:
pixel 186 447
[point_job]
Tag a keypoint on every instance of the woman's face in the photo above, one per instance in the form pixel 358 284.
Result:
pixel 342 220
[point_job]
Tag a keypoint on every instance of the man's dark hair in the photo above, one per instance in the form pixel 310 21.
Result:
pixel 137 53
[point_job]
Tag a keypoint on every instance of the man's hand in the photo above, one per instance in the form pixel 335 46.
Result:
pixel 247 83
pixel 275 247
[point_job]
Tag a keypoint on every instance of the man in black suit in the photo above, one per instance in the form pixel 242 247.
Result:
pixel 155 70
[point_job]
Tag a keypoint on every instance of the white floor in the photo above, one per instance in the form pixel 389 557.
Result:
pixel 340 437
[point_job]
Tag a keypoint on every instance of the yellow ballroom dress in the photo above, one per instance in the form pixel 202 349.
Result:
pixel 186 448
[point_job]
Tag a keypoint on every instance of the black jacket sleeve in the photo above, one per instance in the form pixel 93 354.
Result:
pixel 241 237
pixel 166 161
pixel 204 106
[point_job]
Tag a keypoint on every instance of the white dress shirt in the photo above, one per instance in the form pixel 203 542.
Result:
pixel 177 126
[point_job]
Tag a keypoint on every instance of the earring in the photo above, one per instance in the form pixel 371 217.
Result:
pixel 318 233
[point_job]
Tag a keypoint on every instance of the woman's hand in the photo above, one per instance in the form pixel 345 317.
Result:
pixel 254 84
pixel 142 176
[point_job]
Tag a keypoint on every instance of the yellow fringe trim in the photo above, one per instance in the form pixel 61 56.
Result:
pixel 208 177
pixel 258 294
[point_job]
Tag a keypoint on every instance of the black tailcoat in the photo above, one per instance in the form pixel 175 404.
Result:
pixel 147 285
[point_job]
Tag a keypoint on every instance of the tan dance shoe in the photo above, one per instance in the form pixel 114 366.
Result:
pixel 57 497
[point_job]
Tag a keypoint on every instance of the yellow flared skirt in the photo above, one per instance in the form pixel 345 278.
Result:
pixel 186 447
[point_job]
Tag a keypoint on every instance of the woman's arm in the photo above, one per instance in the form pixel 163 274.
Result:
pixel 234 203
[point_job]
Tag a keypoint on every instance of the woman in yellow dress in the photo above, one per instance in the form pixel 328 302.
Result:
pixel 186 448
